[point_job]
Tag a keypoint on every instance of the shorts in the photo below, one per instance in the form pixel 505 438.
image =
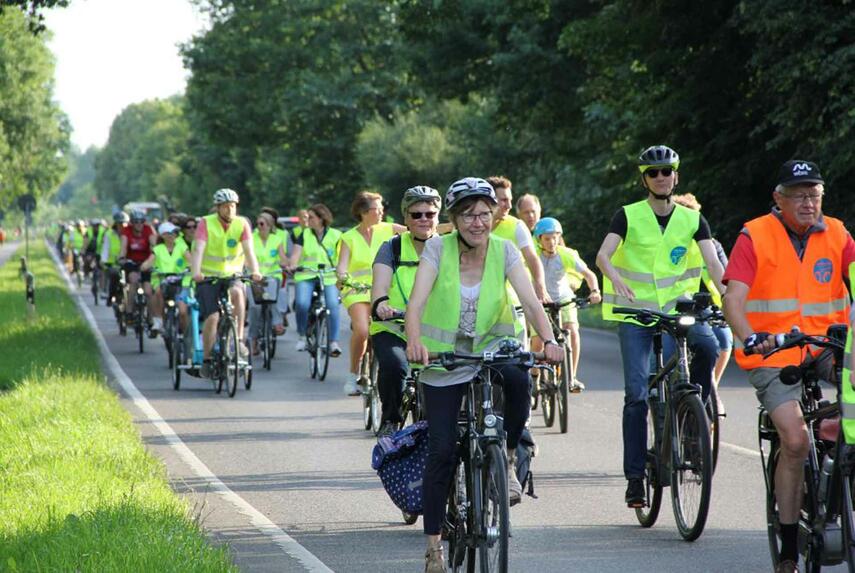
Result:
pixel 207 296
pixel 771 392
pixel 132 267
pixel 724 336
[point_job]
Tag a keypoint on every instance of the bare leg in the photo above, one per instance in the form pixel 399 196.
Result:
pixel 794 449
pixel 238 298
pixel 360 313
pixel 209 332
pixel 157 304
pixel 575 346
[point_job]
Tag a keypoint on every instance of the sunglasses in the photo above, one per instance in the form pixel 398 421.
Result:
pixel 654 173
pixel 420 214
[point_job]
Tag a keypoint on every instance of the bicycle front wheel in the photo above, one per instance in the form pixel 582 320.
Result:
pixel 494 523
pixel 312 345
pixel 563 375
pixel 458 526
pixel 548 388
pixel 711 407
pixel 691 472
pixel 374 393
pixel 265 329
pixel 177 362
pixel 139 328
pixel 848 519
pixel 364 369
pixel 324 333
pixel 231 357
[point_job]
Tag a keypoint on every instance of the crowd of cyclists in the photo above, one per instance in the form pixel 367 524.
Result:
pixel 467 284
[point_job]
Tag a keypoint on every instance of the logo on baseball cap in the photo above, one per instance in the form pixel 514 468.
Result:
pixel 797 172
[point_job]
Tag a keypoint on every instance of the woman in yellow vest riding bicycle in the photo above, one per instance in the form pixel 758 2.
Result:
pixel 167 257
pixel 394 272
pixel 468 310
pixel 111 247
pixel 317 244
pixel 359 246
pixel 269 245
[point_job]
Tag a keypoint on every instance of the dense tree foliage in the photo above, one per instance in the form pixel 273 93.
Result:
pixel 34 9
pixel 303 100
pixel 33 130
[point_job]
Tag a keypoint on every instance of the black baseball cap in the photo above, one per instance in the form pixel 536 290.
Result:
pixel 797 172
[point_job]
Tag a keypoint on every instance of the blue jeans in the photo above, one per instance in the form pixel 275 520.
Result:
pixel 304 299
pixel 636 348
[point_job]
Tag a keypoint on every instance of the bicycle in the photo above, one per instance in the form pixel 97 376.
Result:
pixel 318 328
pixel 170 288
pixel 118 284
pixel 478 517
pixel 267 341
pixel 77 267
pixel 96 279
pixel 711 403
pixel 677 427
pixel 138 317
pixel 188 351
pixel 552 387
pixel 228 367
pixel 826 521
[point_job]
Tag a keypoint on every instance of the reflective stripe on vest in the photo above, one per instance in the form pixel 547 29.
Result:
pixel 660 267
pixel 223 254
pixel 314 253
pixel 267 253
pixel 807 293
pixel 400 287
pixel 847 394
pixel 166 262
pixel 494 314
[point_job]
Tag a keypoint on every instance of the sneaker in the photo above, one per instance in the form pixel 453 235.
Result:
pixel 576 386
pixel 788 566
pixel 635 495
pixel 435 560
pixel 301 344
pixel 206 370
pixel 335 349
pixel 243 351
pixel 514 485
pixel 351 389
pixel 387 429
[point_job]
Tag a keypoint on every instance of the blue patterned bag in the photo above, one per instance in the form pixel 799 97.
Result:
pixel 400 462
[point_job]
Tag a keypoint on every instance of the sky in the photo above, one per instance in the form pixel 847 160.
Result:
pixel 112 53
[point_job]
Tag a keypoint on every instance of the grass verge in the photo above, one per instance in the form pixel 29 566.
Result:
pixel 78 491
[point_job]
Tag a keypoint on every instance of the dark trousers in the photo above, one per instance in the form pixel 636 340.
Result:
pixel 442 405
pixel 391 354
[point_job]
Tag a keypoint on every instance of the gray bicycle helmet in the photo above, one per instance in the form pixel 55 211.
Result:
pixel 658 156
pixel 420 194
pixel 120 217
pixel 469 187
pixel 137 216
pixel 225 196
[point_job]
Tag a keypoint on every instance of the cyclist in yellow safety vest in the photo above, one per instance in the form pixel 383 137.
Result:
pixel 168 257
pixel 111 247
pixel 223 244
pixel 358 248
pixel 564 271
pixel 460 302
pixel 269 248
pixel 645 264
pixel 393 274
pixel 512 229
pixel 316 245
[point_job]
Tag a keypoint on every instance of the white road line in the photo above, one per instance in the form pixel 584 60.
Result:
pixel 740 450
pixel 293 549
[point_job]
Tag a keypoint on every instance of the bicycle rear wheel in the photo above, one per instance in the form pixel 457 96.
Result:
pixel 168 334
pixel 494 523
pixel 648 514
pixel 691 473
pixel 231 356
pixel 177 361
pixel 324 334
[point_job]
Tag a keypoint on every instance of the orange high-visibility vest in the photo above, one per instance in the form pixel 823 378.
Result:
pixel 787 292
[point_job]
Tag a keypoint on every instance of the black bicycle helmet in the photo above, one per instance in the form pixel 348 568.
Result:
pixel 658 156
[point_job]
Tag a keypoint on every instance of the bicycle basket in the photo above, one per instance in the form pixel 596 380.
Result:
pixel 400 462
pixel 261 295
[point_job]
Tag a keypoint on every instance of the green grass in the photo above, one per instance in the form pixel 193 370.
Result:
pixel 78 491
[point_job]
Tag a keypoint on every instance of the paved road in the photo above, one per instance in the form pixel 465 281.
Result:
pixel 294 449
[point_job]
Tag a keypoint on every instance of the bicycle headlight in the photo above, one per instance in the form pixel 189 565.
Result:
pixel 170 303
pixel 490 421
pixel 686 320
pixel 140 291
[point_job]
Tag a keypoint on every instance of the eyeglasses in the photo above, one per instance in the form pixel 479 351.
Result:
pixel 654 173
pixel 420 214
pixel 804 197
pixel 484 217
pixel 190 226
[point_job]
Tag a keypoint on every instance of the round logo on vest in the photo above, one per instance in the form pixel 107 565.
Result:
pixel 272 252
pixel 822 270
pixel 677 253
pixel 231 243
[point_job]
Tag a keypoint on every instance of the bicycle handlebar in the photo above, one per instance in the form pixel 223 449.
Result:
pixel 451 360
pixel 579 302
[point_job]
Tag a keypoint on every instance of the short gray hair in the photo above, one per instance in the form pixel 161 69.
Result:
pixel 525 196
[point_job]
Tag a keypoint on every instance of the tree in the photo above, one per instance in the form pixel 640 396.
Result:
pixel 34 133
pixel 34 10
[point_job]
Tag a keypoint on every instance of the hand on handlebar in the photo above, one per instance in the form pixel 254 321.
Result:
pixel 256 277
pixel 384 311
pixel 198 277
pixel 595 298
pixel 760 343
pixel 553 353
pixel 417 353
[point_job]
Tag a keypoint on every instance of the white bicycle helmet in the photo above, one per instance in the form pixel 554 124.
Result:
pixel 469 187
pixel 225 196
